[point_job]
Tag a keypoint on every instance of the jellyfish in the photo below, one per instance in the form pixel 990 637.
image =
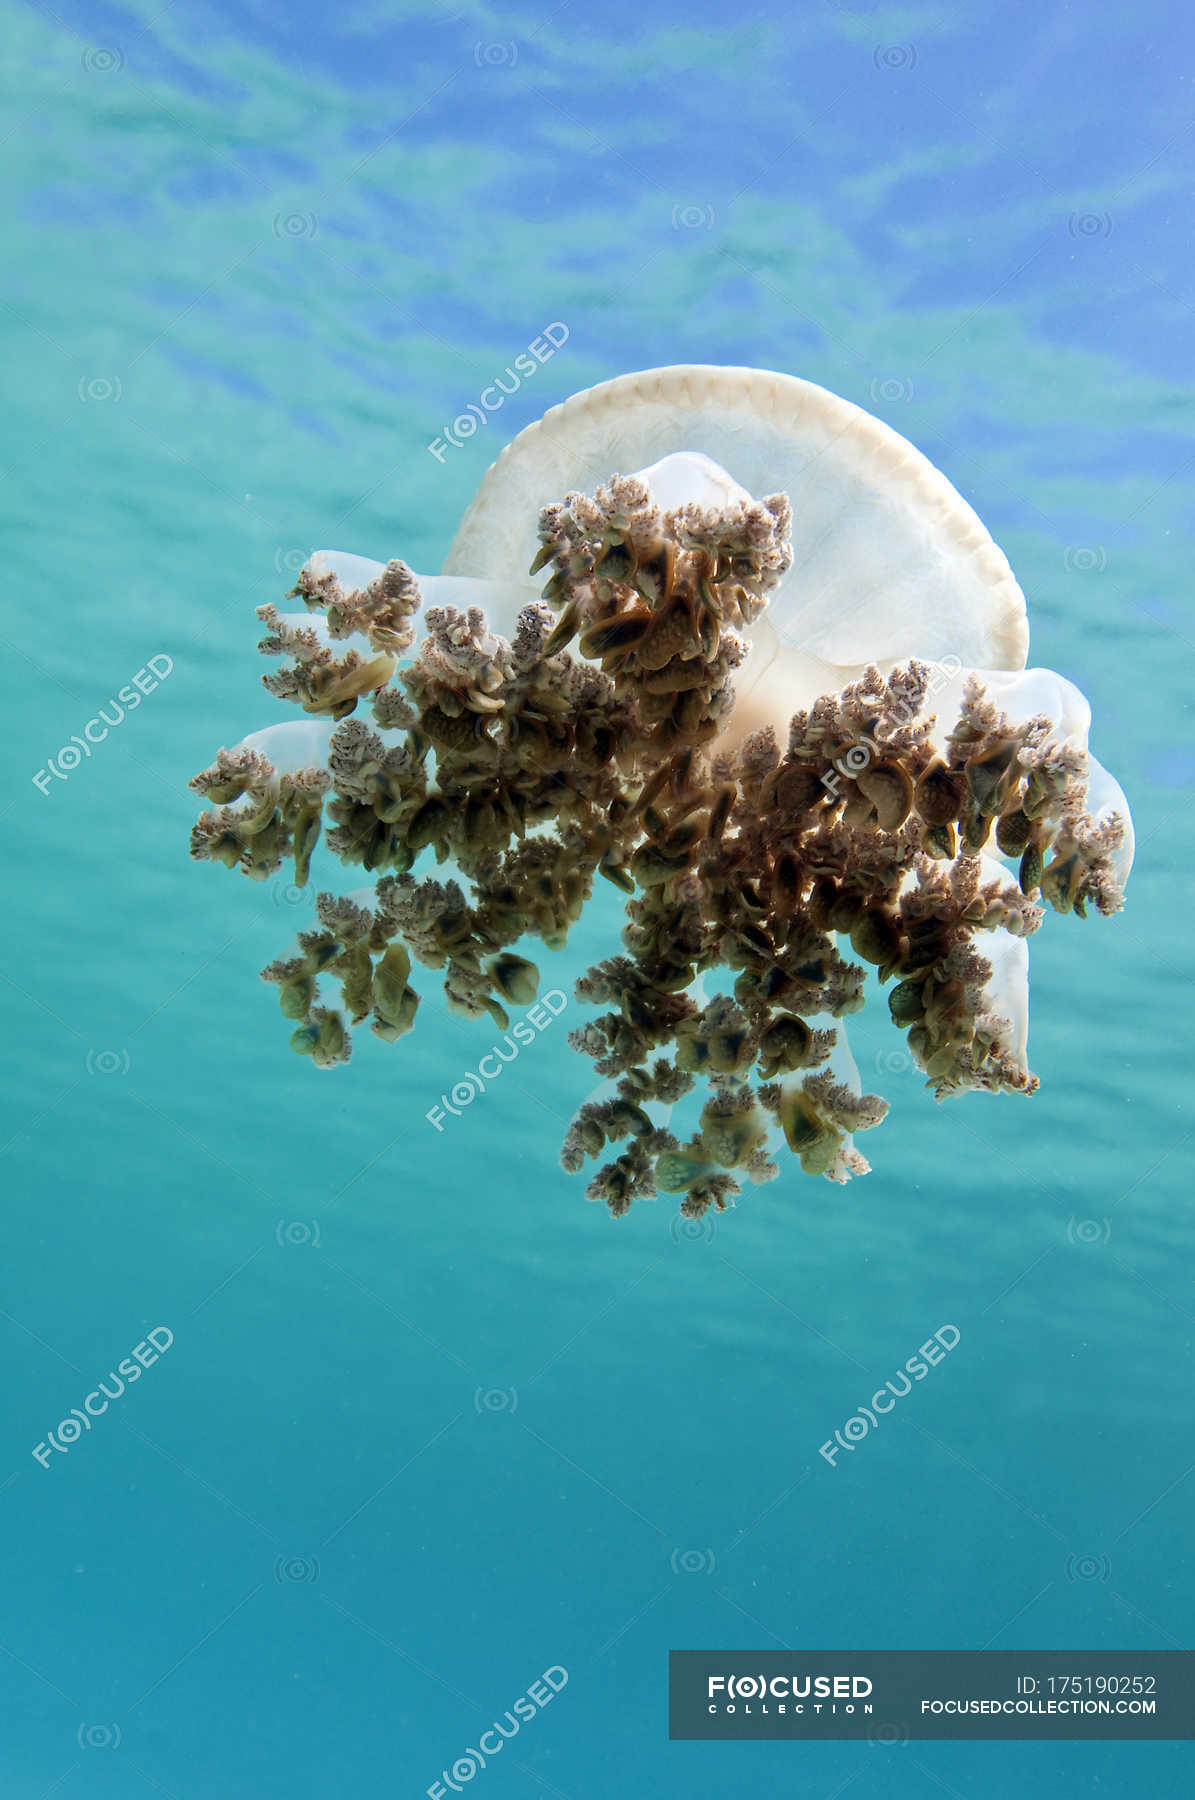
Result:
pixel 724 641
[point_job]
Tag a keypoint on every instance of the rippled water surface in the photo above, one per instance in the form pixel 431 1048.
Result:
pixel 430 1424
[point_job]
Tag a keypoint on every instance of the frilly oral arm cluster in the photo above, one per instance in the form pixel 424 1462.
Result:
pixel 646 720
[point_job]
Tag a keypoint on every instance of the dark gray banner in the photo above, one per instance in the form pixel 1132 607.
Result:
pixel 891 1696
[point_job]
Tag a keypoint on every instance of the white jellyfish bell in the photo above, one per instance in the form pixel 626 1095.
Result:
pixel 774 689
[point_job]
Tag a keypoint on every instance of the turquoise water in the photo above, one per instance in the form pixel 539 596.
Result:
pixel 430 1424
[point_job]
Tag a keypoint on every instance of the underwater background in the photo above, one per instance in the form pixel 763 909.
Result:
pixel 428 1424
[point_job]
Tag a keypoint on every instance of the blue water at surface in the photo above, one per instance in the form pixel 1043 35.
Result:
pixel 430 1424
